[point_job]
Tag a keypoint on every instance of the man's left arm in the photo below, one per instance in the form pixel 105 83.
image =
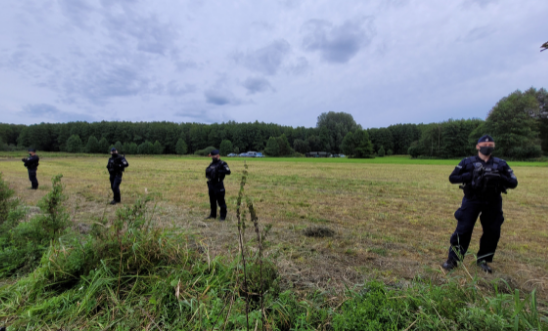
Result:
pixel 223 169
pixel 508 176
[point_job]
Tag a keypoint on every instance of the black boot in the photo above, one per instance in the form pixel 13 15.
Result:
pixel 449 265
pixel 485 267
pixel 113 202
pixel 210 217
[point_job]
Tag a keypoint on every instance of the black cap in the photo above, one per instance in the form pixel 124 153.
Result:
pixel 113 149
pixel 214 152
pixel 31 150
pixel 486 138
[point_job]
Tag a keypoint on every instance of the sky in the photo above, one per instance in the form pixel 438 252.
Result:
pixel 275 61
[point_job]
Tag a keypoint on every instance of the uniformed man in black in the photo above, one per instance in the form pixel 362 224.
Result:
pixel 483 178
pixel 31 163
pixel 116 166
pixel 215 174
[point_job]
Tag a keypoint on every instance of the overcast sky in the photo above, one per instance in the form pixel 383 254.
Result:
pixel 281 61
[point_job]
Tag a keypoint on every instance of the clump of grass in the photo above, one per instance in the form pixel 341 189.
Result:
pixel 425 306
pixel 10 207
pixel 319 232
pixel 23 243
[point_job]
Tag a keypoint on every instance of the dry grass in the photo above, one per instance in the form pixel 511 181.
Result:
pixel 391 221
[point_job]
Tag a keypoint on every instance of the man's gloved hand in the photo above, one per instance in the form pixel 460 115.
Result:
pixel 467 177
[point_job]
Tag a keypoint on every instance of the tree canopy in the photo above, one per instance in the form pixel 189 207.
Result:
pixel 519 123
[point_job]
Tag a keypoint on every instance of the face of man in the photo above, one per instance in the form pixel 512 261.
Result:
pixel 113 152
pixel 32 153
pixel 215 157
pixel 485 147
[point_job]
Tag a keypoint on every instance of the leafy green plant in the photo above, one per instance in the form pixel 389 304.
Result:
pixel 23 243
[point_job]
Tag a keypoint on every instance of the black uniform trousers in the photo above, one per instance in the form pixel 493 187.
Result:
pixel 217 196
pixel 491 218
pixel 115 181
pixel 32 178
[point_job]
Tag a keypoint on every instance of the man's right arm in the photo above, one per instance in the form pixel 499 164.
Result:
pixel 461 174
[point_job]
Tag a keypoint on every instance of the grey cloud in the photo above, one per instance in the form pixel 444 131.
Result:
pixel 99 82
pixel 477 34
pixel 290 4
pixel 201 115
pixel 256 85
pixel 78 12
pixel 186 65
pixel 337 44
pixel 266 60
pixel 261 25
pixel 173 89
pixel 150 34
pixel 299 66
pixel 481 3
pixel 220 97
pixel 45 111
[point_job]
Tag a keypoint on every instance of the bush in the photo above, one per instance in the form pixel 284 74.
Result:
pixel 205 152
pixel 158 148
pixel 103 146
pixel 181 147
pixel 414 150
pixel 146 148
pixel 371 310
pixel 381 152
pixel 389 152
pixel 131 148
pixel 357 144
pixel 74 144
pixel 23 243
pixel 9 206
pixel 226 147
pixel 522 153
pixel 272 148
pixel 93 145
pixel 119 147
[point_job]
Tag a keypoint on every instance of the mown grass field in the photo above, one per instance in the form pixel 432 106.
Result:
pixel 392 216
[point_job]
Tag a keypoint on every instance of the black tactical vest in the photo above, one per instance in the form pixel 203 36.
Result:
pixel 486 180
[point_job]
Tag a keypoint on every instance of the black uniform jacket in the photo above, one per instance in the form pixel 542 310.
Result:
pixel 463 173
pixel 217 171
pixel 31 162
pixel 117 164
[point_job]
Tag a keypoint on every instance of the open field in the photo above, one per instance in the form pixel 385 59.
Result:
pixel 392 220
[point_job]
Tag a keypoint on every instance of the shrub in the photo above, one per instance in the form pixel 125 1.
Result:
pixel 119 147
pixel 93 145
pixel 226 147
pixel 370 309
pixel 389 152
pixel 23 243
pixel 205 151
pixel 131 148
pixel 181 147
pixel 158 148
pixel 146 148
pixel 381 152
pixel 103 146
pixel 272 148
pixel 74 144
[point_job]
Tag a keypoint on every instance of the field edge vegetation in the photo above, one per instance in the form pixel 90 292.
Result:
pixel 128 273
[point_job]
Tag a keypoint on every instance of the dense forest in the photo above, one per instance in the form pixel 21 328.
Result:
pixel 518 122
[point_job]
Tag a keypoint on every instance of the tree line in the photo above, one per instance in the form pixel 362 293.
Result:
pixel 518 122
